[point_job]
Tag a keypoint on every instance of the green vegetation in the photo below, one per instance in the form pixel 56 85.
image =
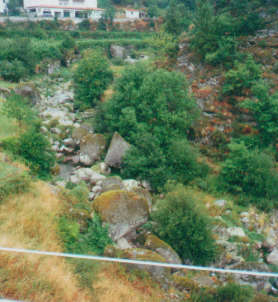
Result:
pixel 229 293
pixel 30 145
pixel 12 180
pixel 182 223
pixel 91 78
pixel 250 172
pixel 153 111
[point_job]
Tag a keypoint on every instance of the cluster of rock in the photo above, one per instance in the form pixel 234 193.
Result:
pixel 125 205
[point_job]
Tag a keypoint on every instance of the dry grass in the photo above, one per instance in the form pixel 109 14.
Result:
pixel 28 221
pixel 114 285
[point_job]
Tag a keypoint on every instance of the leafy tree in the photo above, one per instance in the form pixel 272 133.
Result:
pixel 181 222
pixel 18 108
pixel 177 18
pixel 165 46
pixel 12 71
pixel 264 109
pixel 249 172
pixel 152 110
pixel 242 76
pixel 14 6
pixel 212 35
pixel 91 78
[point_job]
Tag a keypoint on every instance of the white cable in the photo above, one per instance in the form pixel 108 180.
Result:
pixel 129 261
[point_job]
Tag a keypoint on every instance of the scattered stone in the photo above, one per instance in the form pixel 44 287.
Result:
pixel 116 151
pixel 236 232
pixel 220 203
pixel 123 244
pixel 29 92
pixel 131 184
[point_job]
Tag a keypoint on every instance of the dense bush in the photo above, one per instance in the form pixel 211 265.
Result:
pixel 249 172
pixel 230 292
pixel 17 55
pixel 182 223
pixel 13 71
pixel 264 109
pixel 34 148
pixel 152 110
pixel 242 76
pixel 91 78
pixel 18 108
pixel 92 240
pixel 12 181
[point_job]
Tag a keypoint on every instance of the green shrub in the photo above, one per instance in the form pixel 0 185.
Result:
pixel 230 292
pixel 249 172
pixel 182 223
pixel 12 181
pixel 92 240
pixel 243 76
pixel 18 108
pixel 34 148
pixel 234 293
pixel 264 109
pixel 13 71
pixel 152 111
pixel 91 78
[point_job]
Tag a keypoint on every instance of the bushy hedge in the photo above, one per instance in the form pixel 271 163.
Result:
pixel 181 222
pixel 105 43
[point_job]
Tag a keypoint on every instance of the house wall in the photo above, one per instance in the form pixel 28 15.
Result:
pixel 132 14
pixel 70 3
pixel 2 6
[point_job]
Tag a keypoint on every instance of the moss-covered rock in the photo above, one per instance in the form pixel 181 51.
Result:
pixel 161 274
pixel 162 248
pixel 92 146
pixel 79 133
pixel 123 211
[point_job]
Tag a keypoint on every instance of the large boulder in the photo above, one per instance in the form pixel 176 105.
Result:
pixel 117 51
pixel 91 147
pixel 123 211
pixel 116 151
pixel 111 184
pixel 162 248
pixel 272 258
pixel 160 274
pixel 79 133
pixel 29 92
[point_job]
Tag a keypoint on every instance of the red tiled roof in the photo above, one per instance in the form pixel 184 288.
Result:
pixel 66 7
pixel 132 9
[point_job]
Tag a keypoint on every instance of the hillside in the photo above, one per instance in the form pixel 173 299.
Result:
pixel 154 143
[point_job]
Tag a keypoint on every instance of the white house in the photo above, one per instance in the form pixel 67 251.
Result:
pixel 63 8
pixel 132 13
pixel 3 6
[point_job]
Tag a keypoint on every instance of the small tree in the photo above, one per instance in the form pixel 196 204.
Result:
pixel 264 109
pixel 249 172
pixel 181 222
pixel 91 78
